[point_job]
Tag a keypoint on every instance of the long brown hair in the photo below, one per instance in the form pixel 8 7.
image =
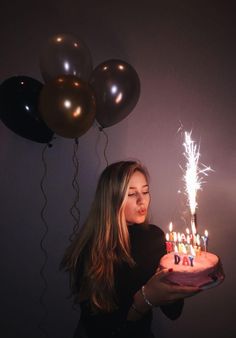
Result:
pixel 104 237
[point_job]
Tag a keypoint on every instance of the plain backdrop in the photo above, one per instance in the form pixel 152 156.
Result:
pixel 184 53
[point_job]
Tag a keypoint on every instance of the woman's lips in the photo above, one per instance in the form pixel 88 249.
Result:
pixel 142 211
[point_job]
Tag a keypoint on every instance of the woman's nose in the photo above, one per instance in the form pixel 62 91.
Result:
pixel 140 198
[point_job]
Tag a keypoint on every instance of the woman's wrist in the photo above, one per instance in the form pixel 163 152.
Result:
pixel 140 302
pixel 138 308
pixel 145 298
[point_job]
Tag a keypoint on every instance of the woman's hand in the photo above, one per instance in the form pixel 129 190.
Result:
pixel 160 292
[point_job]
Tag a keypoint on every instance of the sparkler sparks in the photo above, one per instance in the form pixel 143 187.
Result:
pixel 193 174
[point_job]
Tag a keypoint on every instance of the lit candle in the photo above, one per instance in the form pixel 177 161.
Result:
pixel 192 251
pixel 187 244
pixel 192 255
pixel 197 247
pixel 167 237
pixel 183 238
pixel 184 250
pixel 175 237
pixel 179 237
pixel 189 236
pixel 205 240
pixel 171 231
pixel 179 243
pixel 168 243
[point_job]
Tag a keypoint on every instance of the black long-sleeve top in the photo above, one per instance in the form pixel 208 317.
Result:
pixel 147 247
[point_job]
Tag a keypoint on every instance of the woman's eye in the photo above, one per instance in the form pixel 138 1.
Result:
pixel 134 194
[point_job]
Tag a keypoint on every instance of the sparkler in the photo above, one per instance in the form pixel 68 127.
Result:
pixel 193 176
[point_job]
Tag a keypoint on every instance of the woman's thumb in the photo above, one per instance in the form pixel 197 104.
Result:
pixel 162 273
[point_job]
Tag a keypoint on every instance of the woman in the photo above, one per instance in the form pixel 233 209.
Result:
pixel 113 261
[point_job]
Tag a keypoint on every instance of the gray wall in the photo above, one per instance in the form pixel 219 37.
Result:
pixel 184 53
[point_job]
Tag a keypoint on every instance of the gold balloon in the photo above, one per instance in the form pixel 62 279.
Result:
pixel 67 106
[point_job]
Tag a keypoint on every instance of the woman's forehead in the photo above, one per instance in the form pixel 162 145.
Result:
pixel 137 179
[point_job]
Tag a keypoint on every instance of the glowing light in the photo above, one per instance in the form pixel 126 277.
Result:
pixel 114 89
pixel 27 108
pixel 66 65
pixel 77 112
pixel 192 176
pixel 67 103
pixel 119 98
pixel 59 39
pixel 121 67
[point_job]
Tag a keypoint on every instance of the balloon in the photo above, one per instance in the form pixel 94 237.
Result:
pixel 67 105
pixel 64 54
pixel 19 108
pixel 117 88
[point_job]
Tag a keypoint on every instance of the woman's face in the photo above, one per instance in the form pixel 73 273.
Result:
pixel 137 200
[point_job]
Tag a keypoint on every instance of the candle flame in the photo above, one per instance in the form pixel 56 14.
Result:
pixel 192 176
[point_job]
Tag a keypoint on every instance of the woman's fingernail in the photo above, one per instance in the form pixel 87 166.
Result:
pixel 170 270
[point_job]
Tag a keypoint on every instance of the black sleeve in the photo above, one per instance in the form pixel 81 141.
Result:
pixel 173 310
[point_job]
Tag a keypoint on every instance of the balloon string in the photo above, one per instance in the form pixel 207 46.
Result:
pixel 74 210
pixel 45 284
pixel 106 145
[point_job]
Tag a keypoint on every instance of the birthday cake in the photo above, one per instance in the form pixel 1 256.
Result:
pixel 197 271
pixel 187 253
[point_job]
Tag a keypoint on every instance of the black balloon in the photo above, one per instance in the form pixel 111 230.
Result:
pixel 64 54
pixel 67 105
pixel 117 89
pixel 19 97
